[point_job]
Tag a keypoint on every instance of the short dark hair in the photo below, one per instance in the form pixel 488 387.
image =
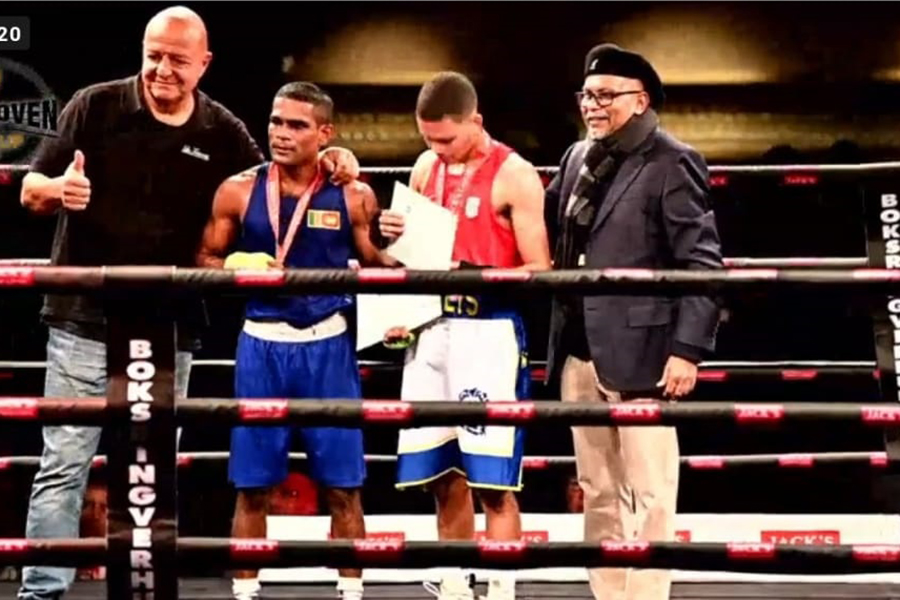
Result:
pixel 303 91
pixel 447 94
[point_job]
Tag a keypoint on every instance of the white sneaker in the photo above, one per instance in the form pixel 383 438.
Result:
pixel 245 589
pixel 449 592
pixel 350 588
pixel 500 589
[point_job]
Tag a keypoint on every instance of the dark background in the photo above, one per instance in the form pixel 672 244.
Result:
pixel 747 83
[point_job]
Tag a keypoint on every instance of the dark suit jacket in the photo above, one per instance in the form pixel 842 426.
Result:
pixel 657 215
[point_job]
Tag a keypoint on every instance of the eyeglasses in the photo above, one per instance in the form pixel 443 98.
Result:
pixel 604 98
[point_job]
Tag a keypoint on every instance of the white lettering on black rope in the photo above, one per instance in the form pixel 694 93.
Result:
pixel 890 218
pixel 141 475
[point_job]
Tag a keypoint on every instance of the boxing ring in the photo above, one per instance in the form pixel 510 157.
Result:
pixel 145 557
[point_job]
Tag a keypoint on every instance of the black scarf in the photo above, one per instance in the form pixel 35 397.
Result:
pixel 601 163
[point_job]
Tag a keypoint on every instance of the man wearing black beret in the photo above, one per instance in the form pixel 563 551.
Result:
pixel 629 196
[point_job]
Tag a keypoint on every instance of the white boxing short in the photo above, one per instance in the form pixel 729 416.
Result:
pixel 465 360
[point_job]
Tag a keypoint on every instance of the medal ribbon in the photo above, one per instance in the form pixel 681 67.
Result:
pixel 273 203
pixel 468 174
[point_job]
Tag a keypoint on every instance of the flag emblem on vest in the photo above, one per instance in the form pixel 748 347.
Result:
pixel 323 219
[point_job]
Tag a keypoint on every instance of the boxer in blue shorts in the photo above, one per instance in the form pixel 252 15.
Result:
pixel 294 346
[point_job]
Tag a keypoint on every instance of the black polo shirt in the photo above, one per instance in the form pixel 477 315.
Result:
pixel 152 187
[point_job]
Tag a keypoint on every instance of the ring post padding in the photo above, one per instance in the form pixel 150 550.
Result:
pixel 882 207
pixel 141 471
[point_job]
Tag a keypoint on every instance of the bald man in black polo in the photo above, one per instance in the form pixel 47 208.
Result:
pixel 131 179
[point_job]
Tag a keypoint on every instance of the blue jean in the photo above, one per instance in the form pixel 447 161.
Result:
pixel 76 368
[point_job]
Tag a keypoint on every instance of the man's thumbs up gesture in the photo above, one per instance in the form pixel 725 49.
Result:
pixel 76 189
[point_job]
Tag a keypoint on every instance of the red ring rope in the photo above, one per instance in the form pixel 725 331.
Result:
pixel 537 463
pixel 595 281
pixel 354 413
pixel 748 557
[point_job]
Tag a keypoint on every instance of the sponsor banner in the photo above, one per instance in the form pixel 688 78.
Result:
pixel 743 529
pixel 802 538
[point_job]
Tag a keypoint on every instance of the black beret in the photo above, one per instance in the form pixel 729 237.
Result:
pixel 609 59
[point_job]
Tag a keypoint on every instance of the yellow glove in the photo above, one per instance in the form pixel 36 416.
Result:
pixel 248 260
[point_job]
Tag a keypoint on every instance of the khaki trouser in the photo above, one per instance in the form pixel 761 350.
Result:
pixel 630 480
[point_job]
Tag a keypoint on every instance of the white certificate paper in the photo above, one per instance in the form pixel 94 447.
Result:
pixel 429 232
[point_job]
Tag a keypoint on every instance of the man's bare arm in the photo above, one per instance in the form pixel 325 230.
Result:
pixel 519 187
pixel 418 177
pixel 40 194
pixel 224 221
pixel 45 195
pixel 362 206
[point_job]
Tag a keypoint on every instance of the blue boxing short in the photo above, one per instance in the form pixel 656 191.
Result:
pixel 269 365
pixel 480 359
